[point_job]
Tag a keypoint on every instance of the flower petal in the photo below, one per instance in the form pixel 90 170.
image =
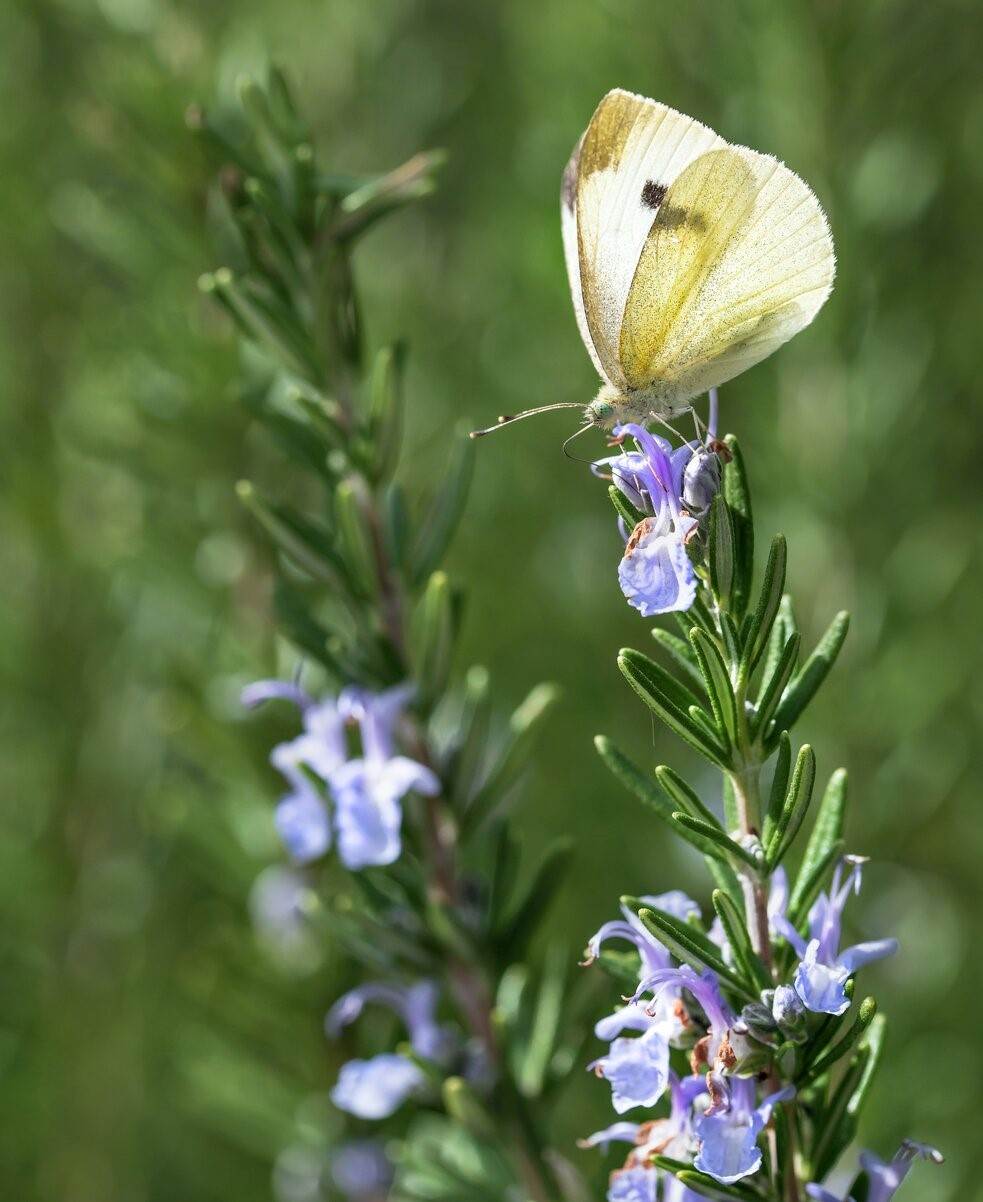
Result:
pixel 303 825
pixel 376 1088
pixel 656 574
pixel 820 986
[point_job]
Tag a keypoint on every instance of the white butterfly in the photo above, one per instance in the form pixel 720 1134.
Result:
pixel 689 259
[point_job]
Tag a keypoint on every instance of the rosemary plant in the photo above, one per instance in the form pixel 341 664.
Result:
pixel 752 1027
pixel 400 846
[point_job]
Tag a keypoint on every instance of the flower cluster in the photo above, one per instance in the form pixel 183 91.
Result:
pixel 365 790
pixel 673 489
pixel 721 1106
pixel 377 1087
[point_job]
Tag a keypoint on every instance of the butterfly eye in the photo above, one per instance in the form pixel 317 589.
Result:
pixel 599 412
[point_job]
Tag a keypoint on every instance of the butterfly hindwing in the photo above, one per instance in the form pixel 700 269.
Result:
pixel 738 259
pixel 625 163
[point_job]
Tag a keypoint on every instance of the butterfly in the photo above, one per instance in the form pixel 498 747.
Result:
pixel 690 259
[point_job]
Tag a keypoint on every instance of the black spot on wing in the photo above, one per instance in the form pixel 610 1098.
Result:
pixel 653 194
pixel 675 217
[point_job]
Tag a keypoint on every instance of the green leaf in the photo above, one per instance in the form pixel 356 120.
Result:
pixel 505 872
pixel 465 1107
pixel 874 1043
pixel 472 734
pixel 519 925
pixel 432 640
pixel 834 1128
pixel 866 1012
pixel 836 1125
pixel 781 632
pixel 544 1028
pixel 689 945
pixel 669 699
pixel 386 409
pixel 796 804
pixel 779 787
pixel 395 524
pixel 811 885
pixel 307 545
pixel 633 778
pixel 827 834
pixel 769 599
pixel 711 834
pixel 438 528
pixel 681 653
pixel 624 508
pixel 355 537
pixel 814 671
pixel 717 682
pixel 737 494
pixel 773 685
pixel 261 321
pixel 721 552
pixel 703 1184
pixel 745 957
pixel 383 194
pixel 731 639
pixel 683 796
pixel 525 726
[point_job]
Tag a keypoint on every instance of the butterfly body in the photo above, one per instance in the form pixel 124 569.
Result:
pixel 689 259
pixel 613 406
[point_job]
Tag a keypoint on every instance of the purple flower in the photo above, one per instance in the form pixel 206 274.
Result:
pixel 653 955
pixel 361 1169
pixel 884 1178
pixel 637 1069
pixel 670 1136
pixel 823 971
pixel 376 1088
pixel 367 790
pixel 728 1130
pixel 656 575
pixel 633 1185
pixel 415 1004
pixel 723 1047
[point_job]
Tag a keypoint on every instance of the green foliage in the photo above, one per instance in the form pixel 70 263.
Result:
pixel 139 1020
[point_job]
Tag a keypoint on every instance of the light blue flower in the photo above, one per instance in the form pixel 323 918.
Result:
pixel 671 1136
pixel 633 1185
pixel 376 1088
pixel 884 1178
pixel 367 790
pixel 360 1168
pixel 728 1130
pixel 823 970
pixel 653 955
pixel 656 574
pixel 722 1048
pixel 636 1069
pixel 415 1004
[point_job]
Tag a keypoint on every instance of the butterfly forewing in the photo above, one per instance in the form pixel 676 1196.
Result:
pixel 629 157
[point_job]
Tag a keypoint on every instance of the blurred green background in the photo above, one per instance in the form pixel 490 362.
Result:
pixel 150 1047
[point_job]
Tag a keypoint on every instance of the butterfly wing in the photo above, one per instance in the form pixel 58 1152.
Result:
pixel 629 156
pixel 738 259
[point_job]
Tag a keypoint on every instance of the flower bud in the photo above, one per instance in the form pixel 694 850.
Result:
pixel 701 480
pixel 788 1011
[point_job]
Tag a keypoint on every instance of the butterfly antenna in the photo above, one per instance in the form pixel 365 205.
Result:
pixel 568 441
pixel 507 420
